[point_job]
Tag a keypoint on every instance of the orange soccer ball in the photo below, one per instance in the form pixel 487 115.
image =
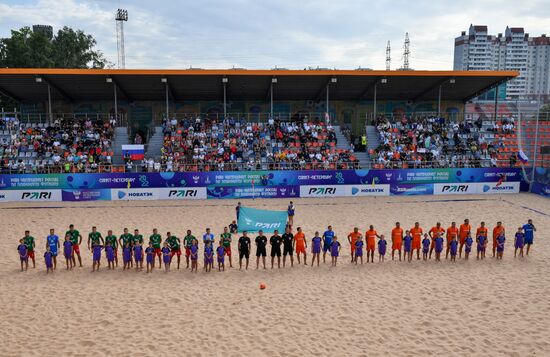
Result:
pixel 262 286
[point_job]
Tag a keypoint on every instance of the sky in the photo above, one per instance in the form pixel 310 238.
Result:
pixel 293 34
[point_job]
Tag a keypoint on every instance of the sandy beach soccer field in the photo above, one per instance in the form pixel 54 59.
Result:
pixel 467 308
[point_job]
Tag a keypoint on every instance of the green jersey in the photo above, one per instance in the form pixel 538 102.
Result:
pixel 94 237
pixel 126 238
pixel 138 238
pixel 29 242
pixel 74 236
pixel 155 239
pixel 188 241
pixel 226 239
pixel 174 242
pixel 111 240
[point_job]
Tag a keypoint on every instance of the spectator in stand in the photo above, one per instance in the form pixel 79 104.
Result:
pixel 233 144
pixel 66 145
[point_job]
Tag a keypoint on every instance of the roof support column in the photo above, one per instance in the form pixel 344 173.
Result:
pixel 50 115
pixel 439 102
pixel 224 81
pixel 496 103
pixel 374 109
pixel 273 81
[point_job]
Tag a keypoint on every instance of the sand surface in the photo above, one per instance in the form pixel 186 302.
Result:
pixel 467 308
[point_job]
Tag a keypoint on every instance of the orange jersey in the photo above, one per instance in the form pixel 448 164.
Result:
pixel 300 239
pixel 497 231
pixel 371 237
pixel 397 235
pixel 354 236
pixel 416 234
pixel 463 231
pixel 482 231
pixel 452 232
pixel 435 230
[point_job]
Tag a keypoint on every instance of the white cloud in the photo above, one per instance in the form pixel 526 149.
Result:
pixel 254 34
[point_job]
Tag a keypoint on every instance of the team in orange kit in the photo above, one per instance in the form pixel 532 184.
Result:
pixel 463 232
pixel 352 239
pixel 416 234
pixel 452 233
pixel 397 239
pixel 435 232
pixel 497 232
pixel 371 236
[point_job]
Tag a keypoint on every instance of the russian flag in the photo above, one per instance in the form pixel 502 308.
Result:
pixel 522 157
pixel 135 152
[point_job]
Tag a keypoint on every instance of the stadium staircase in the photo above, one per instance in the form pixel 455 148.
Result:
pixel 121 138
pixel 155 144
pixel 373 139
pixel 343 143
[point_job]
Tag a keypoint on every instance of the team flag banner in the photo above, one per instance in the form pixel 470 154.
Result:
pixel 253 220
pixel 135 152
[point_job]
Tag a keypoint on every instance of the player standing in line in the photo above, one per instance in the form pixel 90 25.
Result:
pixel 138 238
pixel 95 238
pixel 52 242
pixel 463 232
pixel 208 237
pixel 529 232
pixel 187 243
pixel 155 241
pixel 225 238
pixel 112 241
pixel 452 233
pixel 327 241
pixel 352 238
pixel 370 237
pixel 175 246
pixel 76 240
pixel 126 239
pixel 497 231
pixel 437 229
pixel 416 233
pixel 29 242
pixel 397 240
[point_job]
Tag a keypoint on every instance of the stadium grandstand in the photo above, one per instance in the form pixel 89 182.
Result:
pixel 217 120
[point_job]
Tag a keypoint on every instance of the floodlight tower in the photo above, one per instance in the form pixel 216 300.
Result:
pixel 406 52
pixel 120 16
pixel 388 57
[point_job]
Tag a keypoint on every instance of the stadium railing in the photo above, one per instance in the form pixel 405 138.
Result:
pixel 249 117
pixel 44 118
pixel 139 168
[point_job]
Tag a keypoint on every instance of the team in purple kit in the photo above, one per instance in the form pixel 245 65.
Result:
pixel 134 251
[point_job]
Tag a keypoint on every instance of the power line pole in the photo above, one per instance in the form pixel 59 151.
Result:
pixel 120 17
pixel 388 57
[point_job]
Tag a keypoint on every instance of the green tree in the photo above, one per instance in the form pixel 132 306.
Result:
pixel 67 49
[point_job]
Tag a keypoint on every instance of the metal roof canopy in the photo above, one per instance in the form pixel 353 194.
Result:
pixel 193 84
